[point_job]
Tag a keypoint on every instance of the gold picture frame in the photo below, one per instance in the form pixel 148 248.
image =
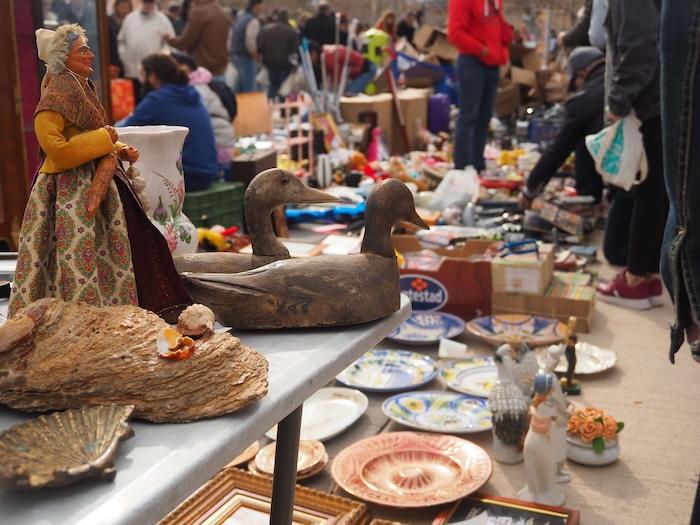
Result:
pixel 237 497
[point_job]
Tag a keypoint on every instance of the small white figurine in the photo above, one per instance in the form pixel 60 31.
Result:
pixel 510 412
pixel 540 462
pixel 562 418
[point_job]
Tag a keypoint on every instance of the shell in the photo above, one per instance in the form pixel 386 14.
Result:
pixel 196 320
pixel 63 447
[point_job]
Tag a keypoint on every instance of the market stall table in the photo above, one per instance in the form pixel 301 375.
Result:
pixel 164 463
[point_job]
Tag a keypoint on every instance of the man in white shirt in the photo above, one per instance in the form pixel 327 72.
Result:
pixel 141 35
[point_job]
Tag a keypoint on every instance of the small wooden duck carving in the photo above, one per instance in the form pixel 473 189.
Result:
pixel 269 189
pixel 322 290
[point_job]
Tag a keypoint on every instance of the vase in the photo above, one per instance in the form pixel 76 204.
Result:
pixel 580 452
pixel 160 165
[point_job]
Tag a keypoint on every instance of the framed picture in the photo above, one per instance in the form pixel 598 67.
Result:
pixel 236 497
pixel 482 509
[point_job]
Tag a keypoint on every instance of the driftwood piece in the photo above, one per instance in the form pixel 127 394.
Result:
pixel 77 355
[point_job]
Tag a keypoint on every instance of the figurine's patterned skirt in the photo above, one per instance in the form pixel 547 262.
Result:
pixel 65 254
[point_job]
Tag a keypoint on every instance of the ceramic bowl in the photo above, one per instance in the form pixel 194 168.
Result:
pixel 530 329
pixel 580 452
pixel 427 328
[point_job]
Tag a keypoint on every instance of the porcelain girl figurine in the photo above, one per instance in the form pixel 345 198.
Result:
pixel 84 235
pixel 562 418
pixel 540 461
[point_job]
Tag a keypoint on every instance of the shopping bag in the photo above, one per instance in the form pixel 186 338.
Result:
pixel 123 99
pixel 456 189
pixel 618 153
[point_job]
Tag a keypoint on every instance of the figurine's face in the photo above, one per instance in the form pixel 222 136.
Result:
pixel 80 59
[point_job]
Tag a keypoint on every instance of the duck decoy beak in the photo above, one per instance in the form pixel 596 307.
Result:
pixel 310 195
pixel 415 219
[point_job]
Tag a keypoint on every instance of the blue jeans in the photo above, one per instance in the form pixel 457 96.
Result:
pixel 360 82
pixel 478 85
pixel 245 66
pixel 277 78
pixel 680 111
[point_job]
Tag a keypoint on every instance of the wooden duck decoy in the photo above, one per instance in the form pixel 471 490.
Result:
pixel 269 189
pixel 317 291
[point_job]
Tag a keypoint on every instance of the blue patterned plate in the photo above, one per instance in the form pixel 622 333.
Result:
pixel 530 329
pixel 427 328
pixel 445 412
pixel 382 370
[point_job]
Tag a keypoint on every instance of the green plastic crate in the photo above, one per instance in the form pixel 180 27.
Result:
pixel 221 203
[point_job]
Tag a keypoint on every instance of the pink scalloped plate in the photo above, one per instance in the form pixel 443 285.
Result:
pixel 411 469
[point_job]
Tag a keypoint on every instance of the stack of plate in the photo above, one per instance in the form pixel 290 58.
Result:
pixel 312 459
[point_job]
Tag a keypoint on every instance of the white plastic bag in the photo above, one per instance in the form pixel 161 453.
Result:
pixel 618 153
pixel 456 189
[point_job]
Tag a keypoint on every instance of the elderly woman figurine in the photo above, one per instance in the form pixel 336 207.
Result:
pixel 84 235
pixel 540 459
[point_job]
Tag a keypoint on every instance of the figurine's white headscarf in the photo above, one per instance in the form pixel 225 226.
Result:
pixel 54 46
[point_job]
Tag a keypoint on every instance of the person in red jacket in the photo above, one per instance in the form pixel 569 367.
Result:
pixel 360 70
pixel 481 35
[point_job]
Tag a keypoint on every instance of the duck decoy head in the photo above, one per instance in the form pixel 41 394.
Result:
pixel 277 186
pixel 392 198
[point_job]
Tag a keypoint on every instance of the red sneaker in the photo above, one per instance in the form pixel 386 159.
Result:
pixel 656 291
pixel 619 292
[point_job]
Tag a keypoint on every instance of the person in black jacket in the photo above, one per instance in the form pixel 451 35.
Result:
pixel 633 78
pixel 583 115
pixel 577 36
pixel 321 27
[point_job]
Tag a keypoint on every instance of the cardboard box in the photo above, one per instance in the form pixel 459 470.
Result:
pixel 414 106
pixel 507 100
pixel 525 273
pixel 381 104
pixel 556 88
pixel 442 48
pixel 254 115
pixel 460 286
pixel 523 77
pixel 525 57
pixel 245 167
pixel 560 301
pixel 423 38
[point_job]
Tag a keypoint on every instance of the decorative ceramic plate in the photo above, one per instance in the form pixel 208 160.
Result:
pixel 310 473
pixel 311 453
pixel 329 412
pixel 590 359
pixel 427 328
pixel 409 470
pixel 530 329
pixel 389 371
pixel 466 378
pixel 439 412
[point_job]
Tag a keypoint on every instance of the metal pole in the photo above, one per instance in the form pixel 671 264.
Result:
pixel 284 480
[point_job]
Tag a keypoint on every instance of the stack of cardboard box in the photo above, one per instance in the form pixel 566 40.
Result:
pixel 547 84
pixel 430 39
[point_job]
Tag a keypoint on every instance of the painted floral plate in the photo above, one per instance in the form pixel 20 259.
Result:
pixel 530 329
pixel 427 328
pixel 439 412
pixel 590 359
pixel 381 370
pixel 329 412
pixel 466 378
pixel 410 470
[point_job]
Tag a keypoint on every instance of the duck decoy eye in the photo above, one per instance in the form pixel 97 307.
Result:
pixel 285 180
